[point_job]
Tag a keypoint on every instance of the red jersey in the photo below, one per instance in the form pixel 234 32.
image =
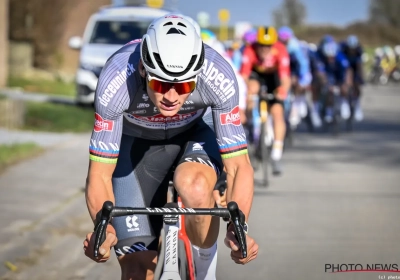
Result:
pixel 276 60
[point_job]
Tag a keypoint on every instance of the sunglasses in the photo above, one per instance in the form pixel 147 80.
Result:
pixel 163 86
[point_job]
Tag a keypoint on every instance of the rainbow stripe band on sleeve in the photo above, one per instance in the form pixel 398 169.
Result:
pixel 106 156
pixel 234 154
pixel 101 159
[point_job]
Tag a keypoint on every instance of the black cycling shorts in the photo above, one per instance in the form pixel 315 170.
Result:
pixel 271 82
pixel 141 180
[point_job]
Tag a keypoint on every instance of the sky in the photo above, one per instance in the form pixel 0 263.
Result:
pixel 259 12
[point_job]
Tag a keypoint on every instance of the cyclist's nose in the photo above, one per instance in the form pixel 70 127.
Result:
pixel 171 95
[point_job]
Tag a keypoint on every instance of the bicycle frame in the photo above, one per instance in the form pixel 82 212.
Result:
pixel 174 229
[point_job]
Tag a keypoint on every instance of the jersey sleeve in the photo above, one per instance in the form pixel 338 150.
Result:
pixel 111 100
pixel 248 58
pixel 283 63
pixel 219 89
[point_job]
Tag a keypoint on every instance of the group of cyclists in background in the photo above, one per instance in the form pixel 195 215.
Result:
pixel 321 83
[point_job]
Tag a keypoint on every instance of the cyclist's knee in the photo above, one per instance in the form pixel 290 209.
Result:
pixel 277 111
pixel 195 188
pixel 138 265
pixel 253 87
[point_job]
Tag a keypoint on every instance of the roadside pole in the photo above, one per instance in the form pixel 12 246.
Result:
pixel 3 42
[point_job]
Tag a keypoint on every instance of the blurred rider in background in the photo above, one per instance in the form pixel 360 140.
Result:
pixel 265 68
pixel 353 52
pixel 300 73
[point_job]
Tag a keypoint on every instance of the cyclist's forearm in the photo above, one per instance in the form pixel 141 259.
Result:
pixel 241 188
pixel 98 190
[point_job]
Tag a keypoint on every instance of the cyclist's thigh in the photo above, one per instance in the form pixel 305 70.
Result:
pixel 140 180
pixel 253 84
pixel 276 107
pixel 202 146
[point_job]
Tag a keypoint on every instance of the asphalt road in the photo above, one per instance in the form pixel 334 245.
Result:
pixel 338 202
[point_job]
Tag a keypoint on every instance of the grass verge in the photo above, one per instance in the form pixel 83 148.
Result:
pixel 43 86
pixel 58 118
pixel 13 153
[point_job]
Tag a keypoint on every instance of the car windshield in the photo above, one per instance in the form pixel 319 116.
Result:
pixel 118 32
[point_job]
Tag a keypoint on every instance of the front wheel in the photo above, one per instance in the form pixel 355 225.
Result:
pixel 182 260
pixel 264 154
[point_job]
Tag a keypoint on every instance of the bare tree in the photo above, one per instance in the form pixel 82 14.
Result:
pixel 385 11
pixel 279 19
pixel 291 12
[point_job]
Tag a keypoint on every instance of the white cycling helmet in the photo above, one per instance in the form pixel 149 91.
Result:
pixel 172 49
pixel 191 20
pixel 313 47
pixel 194 23
pixel 352 41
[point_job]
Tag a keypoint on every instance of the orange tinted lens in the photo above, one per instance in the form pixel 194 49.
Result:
pixel 159 86
pixel 184 88
pixel 163 87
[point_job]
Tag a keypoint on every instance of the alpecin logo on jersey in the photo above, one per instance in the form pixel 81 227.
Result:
pixel 232 117
pixel 101 124
pixel 216 80
pixel 115 84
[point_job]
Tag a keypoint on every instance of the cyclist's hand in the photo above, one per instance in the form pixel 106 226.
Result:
pixel 220 200
pixel 105 248
pixel 236 255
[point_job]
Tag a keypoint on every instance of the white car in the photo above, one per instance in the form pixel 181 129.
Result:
pixel 107 31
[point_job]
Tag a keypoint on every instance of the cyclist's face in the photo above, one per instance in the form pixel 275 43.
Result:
pixel 331 59
pixel 263 50
pixel 168 103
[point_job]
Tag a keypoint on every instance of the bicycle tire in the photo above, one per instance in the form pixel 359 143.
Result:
pixel 351 100
pixel 264 155
pixel 182 259
pixel 160 257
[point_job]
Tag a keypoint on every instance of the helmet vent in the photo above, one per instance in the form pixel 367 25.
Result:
pixel 172 74
pixel 173 30
pixel 201 60
pixel 146 55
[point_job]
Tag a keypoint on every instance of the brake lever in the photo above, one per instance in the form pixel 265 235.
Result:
pixel 237 222
pixel 101 226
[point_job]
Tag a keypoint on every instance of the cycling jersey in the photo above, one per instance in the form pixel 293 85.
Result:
pixel 353 56
pixel 276 64
pixel 335 71
pixel 299 61
pixel 123 106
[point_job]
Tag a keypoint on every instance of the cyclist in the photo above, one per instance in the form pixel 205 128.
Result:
pixel 315 85
pixel 353 51
pixel 334 70
pixel 388 62
pixel 300 73
pixel 151 101
pixel 266 65
pixel 397 53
